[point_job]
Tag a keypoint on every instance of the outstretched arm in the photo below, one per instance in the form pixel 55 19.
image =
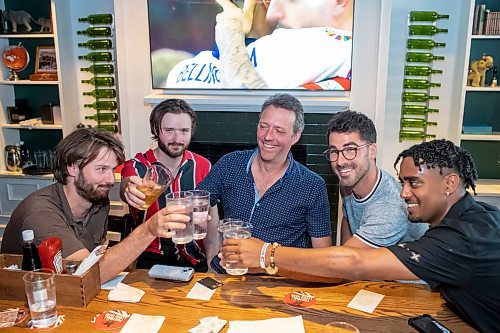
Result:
pixel 232 26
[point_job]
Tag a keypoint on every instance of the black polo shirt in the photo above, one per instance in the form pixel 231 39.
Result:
pixel 461 258
pixel 48 213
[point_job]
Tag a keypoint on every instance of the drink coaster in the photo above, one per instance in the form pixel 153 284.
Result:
pixel 110 320
pixel 58 322
pixel 300 299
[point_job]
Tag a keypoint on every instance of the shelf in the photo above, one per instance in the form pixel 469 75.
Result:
pixel 482 88
pixel 28 35
pixel 29 82
pixel 480 137
pixel 37 127
pixel 485 36
pixel 488 187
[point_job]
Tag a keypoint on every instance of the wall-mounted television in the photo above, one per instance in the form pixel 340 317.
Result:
pixel 308 49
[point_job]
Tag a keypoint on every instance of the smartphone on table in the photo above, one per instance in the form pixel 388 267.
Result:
pixel 173 273
pixel 426 324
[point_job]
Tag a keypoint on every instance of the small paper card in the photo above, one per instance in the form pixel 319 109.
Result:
pixel 125 293
pixel 201 292
pixel 365 301
pixel 209 325
pixel 111 284
pixel 138 323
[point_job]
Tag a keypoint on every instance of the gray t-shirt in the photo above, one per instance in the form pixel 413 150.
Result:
pixel 380 219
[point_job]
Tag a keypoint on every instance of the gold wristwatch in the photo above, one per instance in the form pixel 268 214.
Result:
pixel 272 269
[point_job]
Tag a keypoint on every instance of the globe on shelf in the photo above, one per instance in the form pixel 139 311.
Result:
pixel 15 58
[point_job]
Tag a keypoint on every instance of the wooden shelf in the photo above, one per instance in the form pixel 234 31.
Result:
pixel 482 89
pixel 485 36
pixel 480 137
pixel 37 127
pixel 29 82
pixel 27 35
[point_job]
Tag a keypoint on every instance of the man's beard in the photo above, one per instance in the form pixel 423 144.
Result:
pixel 91 192
pixel 172 153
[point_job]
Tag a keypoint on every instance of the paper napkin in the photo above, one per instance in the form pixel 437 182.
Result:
pixel 111 284
pixel 365 301
pixel 209 325
pixel 276 325
pixel 143 324
pixel 125 293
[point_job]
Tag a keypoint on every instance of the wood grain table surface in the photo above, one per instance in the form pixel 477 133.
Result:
pixel 255 298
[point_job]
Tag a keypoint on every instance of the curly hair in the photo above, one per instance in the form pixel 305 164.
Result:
pixel 352 121
pixel 443 154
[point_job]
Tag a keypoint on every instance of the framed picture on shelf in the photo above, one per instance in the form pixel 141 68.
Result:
pixel 45 59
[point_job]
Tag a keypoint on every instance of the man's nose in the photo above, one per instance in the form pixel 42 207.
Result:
pixel 405 193
pixel 275 11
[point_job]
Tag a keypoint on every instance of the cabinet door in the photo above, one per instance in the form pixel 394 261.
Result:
pixel 14 190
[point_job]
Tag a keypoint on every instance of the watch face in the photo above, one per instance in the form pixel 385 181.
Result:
pixel 271 270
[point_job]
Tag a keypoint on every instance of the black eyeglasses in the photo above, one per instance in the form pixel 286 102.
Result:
pixel 349 153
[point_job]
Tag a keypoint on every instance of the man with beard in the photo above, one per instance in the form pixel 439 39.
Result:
pixel 76 207
pixel 373 213
pixel 459 255
pixel 172 124
pixel 283 200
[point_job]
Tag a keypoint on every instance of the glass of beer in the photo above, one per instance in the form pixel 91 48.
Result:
pixel 155 181
pixel 182 202
pixel 201 205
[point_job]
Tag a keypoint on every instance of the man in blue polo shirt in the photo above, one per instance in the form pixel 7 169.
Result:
pixel 283 200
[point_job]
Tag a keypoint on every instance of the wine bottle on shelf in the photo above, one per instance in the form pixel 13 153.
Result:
pixel 421 71
pixel 97 56
pixel 107 117
pixel 96 32
pixel 31 258
pixel 97 19
pixel 427 30
pixel 417 97
pixel 424 44
pixel 416 122
pixel 101 81
pixel 110 128
pixel 415 135
pixel 97 44
pixel 99 69
pixel 426 16
pixel 101 93
pixel 102 105
pixel 418 110
pixel 419 84
pixel 422 57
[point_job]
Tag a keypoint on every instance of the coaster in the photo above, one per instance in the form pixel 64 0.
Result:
pixel 22 314
pixel 110 320
pixel 8 317
pixel 59 321
pixel 300 299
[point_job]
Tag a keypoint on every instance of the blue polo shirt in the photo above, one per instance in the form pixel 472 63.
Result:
pixel 291 211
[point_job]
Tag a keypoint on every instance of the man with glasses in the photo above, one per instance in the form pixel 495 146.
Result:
pixel 373 213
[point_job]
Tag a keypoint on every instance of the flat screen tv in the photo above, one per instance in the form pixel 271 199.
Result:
pixel 311 51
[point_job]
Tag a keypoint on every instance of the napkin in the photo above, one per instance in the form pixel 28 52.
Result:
pixel 209 325
pixel 138 323
pixel 111 284
pixel 201 292
pixel 125 293
pixel 88 262
pixel 275 325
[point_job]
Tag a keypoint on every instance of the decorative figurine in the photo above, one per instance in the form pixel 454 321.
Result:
pixel 45 24
pixel 20 17
pixel 477 72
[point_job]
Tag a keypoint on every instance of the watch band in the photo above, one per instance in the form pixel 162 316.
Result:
pixel 263 255
pixel 272 269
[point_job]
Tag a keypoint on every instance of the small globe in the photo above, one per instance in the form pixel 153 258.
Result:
pixel 15 57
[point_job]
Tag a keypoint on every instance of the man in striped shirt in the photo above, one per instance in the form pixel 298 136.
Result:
pixel 172 123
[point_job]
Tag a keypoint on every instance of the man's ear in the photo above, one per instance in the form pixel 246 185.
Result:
pixel 452 182
pixel 373 151
pixel 73 170
pixel 296 137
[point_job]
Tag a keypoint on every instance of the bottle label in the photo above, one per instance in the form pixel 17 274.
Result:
pixel 58 265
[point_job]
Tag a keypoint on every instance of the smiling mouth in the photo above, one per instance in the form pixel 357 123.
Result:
pixel 344 172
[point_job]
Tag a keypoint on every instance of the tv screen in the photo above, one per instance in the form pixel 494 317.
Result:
pixel 292 45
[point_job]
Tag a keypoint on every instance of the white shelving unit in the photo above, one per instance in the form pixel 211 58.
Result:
pixel 29 82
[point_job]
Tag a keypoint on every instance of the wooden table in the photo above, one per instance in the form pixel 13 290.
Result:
pixel 254 298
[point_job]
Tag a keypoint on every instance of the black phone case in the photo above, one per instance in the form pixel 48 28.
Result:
pixel 426 324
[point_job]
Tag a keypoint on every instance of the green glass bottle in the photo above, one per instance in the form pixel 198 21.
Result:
pixel 427 30
pixel 99 69
pixel 97 19
pixel 102 105
pixel 421 71
pixel 98 44
pixel 110 128
pixel 419 84
pixel 101 93
pixel 415 135
pixel 426 16
pixel 424 44
pixel 97 56
pixel 101 81
pixel 96 32
pixel 106 117
pixel 417 97
pixel 422 57
pixel 416 123
pixel 419 110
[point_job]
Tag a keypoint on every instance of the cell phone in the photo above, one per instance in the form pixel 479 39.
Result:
pixel 171 273
pixel 426 324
